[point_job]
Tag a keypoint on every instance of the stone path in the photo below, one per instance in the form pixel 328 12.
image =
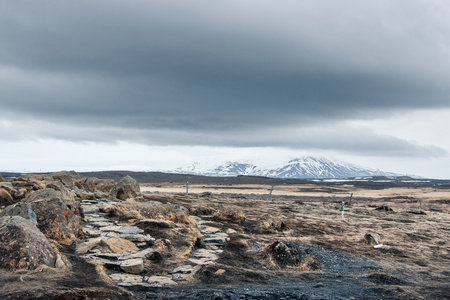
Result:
pixel 123 249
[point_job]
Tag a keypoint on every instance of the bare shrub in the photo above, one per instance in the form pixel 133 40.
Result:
pixel 230 213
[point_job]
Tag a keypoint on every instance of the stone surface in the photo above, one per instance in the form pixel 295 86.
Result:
pixel 201 261
pixel 90 209
pixel 119 245
pixel 20 209
pixel 133 266
pixel 208 230
pixel 161 280
pixel 55 219
pixel 23 246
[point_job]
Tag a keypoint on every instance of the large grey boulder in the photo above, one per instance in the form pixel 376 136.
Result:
pixel 126 188
pixel 20 209
pixel 23 246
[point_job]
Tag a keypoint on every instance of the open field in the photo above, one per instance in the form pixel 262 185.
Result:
pixel 413 262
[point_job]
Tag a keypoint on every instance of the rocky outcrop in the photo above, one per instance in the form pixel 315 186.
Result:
pixel 23 246
pixel 55 219
pixel 126 188
pixel 1 178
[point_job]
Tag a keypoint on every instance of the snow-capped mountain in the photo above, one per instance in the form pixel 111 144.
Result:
pixel 304 167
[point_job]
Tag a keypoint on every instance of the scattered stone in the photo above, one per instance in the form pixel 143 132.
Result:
pixel 219 272
pixel 417 212
pixel 118 277
pixel 373 239
pixel 204 253
pixel 23 246
pixel 1 178
pixel 5 197
pixel 136 237
pixel 133 266
pixel 20 209
pixel 84 247
pixel 230 231
pixel 384 208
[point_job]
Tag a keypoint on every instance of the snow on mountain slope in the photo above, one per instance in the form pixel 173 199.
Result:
pixel 304 167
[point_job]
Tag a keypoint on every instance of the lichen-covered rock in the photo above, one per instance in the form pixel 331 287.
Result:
pixel 55 219
pixel 126 188
pixel 23 246
pixel 23 210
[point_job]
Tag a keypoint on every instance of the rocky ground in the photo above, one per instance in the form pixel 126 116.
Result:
pixel 67 236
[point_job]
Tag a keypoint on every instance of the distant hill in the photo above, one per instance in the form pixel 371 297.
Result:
pixel 306 167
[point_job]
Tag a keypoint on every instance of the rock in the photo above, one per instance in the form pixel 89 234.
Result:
pixel 230 231
pixel 23 246
pixel 5 197
pixel 68 178
pixel 373 239
pixel 84 247
pixel 55 219
pixel 141 254
pixel 186 269
pixel 126 188
pixel 90 209
pixel 1 178
pixel 208 230
pixel 204 253
pixel 155 223
pixel 127 278
pixel 119 245
pixel 219 272
pixel 107 245
pixel 133 266
pixel 23 210
pixel 161 281
pixel 86 195
pixel 137 237
pixel 201 261
pixel 384 208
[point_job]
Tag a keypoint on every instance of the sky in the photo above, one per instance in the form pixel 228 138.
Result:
pixel 154 85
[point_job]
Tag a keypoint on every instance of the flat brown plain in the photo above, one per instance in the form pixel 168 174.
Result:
pixel 414 258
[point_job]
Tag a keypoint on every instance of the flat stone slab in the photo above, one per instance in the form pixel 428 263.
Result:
pixel 123 229
pixel 120 277
pixel 200 261
pixel 141 254
pixel 216 240
pixel 90 209
pixel 204 253
pixel 186 269
pixel 103 224
pixel 164 281
pixel 91 232
pixel 133 266
pixel 137 237
pixel 208 230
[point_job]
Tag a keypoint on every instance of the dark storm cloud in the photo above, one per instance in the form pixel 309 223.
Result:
pixel 210 71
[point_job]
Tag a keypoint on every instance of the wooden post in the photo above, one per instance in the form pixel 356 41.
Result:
pixel 187 188
pixel 420 207
pixel 350 200
pixel 270 193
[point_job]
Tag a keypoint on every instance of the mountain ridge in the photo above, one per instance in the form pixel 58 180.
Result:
pixel 306 167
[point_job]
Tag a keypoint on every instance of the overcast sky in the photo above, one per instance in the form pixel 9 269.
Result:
pixel 145 85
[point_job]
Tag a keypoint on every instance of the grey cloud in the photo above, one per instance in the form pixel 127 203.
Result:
pixel 209 71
